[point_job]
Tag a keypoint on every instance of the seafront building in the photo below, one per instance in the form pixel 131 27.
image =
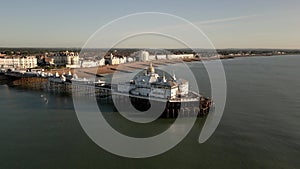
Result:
pixel 108 60
pixel 68 59
pixel 144 56
pixel 23 62
pixel 72 59
pixel 139 56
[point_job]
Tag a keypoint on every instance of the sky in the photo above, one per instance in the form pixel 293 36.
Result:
pixel 225 24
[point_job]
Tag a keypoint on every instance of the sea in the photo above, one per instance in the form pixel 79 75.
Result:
pixel 260 126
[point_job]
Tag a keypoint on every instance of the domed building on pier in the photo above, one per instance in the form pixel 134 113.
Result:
pixel 151 84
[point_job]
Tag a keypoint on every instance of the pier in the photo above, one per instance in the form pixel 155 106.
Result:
pixel 194 105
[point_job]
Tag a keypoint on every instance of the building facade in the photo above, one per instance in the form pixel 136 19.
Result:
pixel 24 62
pixel 153 85
pixel 68 59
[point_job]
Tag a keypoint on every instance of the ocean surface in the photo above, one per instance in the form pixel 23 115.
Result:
pixel 260 127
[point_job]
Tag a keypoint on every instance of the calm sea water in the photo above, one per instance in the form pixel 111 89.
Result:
pixel 260 127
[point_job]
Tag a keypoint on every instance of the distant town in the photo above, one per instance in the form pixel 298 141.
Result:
pixel 12 59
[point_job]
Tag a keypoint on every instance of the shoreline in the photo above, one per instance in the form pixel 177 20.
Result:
pixel 102 71
pixel 128 67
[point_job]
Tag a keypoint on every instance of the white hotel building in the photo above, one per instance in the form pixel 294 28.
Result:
pixel 68 59
pixel 24 62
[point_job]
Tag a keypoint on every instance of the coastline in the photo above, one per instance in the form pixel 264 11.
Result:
pixel 102 71
pixel 128 67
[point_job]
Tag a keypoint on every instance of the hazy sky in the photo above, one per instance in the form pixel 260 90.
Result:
pixel 228 24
